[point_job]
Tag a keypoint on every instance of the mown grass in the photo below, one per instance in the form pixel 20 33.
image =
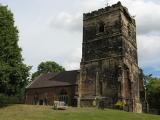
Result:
pixel 30 112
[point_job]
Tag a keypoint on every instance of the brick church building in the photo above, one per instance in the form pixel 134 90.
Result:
pixel 108 68
pixel 50 87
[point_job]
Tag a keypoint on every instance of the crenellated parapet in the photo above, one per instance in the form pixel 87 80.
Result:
pixel 109 9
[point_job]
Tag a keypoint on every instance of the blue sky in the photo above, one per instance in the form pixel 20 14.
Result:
pixel 52 30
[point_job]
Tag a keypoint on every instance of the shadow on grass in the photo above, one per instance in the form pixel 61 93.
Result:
pixel 6 105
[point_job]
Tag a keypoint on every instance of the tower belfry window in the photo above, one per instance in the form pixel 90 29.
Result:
pixel 101 27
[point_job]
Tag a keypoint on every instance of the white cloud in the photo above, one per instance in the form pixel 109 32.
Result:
pixel 90 5
pixel 73 59
pixel 67 22
pixel 147 14
pixel 148 49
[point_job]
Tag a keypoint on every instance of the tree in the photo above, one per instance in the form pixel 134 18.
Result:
pixel 153 93
pixel 13 72
pixel 46 67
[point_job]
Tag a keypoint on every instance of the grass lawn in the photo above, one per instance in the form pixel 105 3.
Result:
pixel 30 112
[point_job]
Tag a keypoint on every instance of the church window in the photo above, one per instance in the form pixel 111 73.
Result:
pixel 101 27
pixel 63 96
pixel 101 87
pixel 35 99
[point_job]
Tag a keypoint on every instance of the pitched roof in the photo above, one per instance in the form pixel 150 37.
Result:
pixel 55 79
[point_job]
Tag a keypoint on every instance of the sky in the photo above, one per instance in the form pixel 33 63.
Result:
pixel 52 30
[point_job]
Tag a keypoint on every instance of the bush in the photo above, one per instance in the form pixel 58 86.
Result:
pixel 5 100
pixel 120 104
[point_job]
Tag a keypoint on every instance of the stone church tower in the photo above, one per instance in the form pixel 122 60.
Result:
pixel 109 65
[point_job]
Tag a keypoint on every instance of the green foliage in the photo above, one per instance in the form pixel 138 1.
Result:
pixel 153 93
pixel 5 100
pixel 46 67
pixel 120 104
pixel 153 86
pixel 14 73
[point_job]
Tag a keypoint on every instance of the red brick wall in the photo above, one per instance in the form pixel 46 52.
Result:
pixel 50 93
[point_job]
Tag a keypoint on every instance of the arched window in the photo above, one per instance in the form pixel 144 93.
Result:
pixel 101 26
pixel 36 98
pixel 63 96
pixel 101 87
